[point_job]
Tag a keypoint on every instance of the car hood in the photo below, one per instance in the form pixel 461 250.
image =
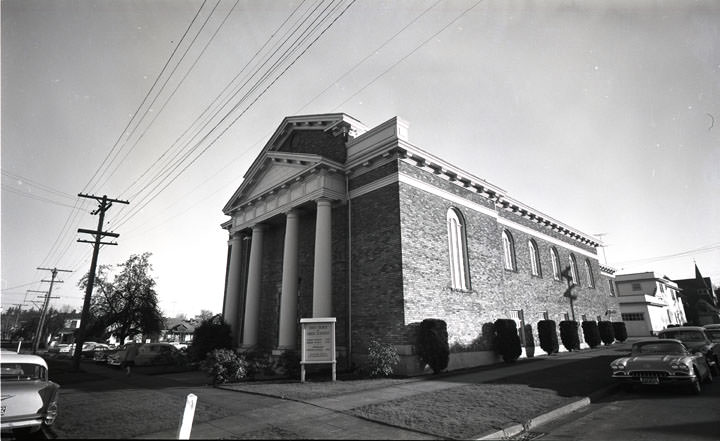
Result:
pixel 651 361
pixel 26 398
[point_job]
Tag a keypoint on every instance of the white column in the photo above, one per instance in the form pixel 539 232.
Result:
pixel 322 275
pixel 232 289
pixel 288 298
pixel 252 295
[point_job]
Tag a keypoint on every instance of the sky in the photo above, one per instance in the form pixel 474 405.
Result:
pixel 602 114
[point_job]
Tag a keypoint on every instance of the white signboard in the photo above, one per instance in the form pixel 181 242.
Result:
pixel 318 343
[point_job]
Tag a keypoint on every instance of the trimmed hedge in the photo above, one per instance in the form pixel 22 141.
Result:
pixel 548 336
pixel 432 344
pixel 569 335
pixel 620 331
pixel 507 340
pixel 529 341
pixel 591 333
pixel 607 333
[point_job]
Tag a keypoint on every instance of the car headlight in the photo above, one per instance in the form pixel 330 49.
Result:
pixel 617 365
pixel 680 367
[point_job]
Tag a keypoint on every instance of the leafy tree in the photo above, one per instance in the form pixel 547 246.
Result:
pixel 127 306
pixel 205 315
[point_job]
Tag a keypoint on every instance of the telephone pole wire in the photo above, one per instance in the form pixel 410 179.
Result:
pixel 46 303
pixel 104 204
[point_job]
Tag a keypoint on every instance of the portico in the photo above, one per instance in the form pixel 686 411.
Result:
pixel 279 189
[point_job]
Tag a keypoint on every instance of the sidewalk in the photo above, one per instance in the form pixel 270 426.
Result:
pixel 329 417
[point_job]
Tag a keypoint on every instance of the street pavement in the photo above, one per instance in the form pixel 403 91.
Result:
pixel 327 418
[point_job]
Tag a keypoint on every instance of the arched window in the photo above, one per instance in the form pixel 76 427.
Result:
pixel 555 258
pixel 534 258
pixel 589 274
pixel 509 249
pixel 574 270
pixel 459 278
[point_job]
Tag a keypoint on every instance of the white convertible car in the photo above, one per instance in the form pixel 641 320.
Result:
pixel 662 362
pixel 29 398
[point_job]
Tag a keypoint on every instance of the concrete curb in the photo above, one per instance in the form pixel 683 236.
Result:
pixel 539 420
pixel 516 429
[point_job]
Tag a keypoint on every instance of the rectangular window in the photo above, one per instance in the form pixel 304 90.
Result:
pixel 612 287
pixel 636 286
pixel 633 316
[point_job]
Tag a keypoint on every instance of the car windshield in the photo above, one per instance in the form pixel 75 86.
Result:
pixel 22 372
pixel 685 335
pixel 662 348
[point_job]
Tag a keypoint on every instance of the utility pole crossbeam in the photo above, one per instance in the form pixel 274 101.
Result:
pixel 46 303
pixel 104 204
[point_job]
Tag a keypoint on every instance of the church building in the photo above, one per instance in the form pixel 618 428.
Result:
pixel 335 219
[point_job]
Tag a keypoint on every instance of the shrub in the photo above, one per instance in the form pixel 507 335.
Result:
pixel 225 366
pixel 432 344
pixel 569 335
pixel 259 363
pixel 548 336
pixel 507 341
pixel 607 333
pixel 529 341
pixel 212 334
pixel 382 358
pixel 620 331
pixel 591 333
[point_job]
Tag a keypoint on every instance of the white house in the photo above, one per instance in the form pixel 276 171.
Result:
pixel 648 303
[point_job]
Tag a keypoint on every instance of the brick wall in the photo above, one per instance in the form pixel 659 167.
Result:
pixel 317 143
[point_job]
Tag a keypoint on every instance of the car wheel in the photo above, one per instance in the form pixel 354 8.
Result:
pixel 695 386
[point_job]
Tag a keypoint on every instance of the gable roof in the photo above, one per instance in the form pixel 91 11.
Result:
pixel 272 167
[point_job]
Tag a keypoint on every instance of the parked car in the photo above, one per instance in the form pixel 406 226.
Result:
pixel 29 398
pixel 696 339
pixel 116 357
pixel 154 354
pixel 661 362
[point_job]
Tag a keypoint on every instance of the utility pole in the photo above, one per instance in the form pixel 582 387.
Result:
pixel 104 204
pixel 46 303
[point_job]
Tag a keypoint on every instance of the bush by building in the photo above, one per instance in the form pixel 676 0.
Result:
pixel 569 335
pixel 212 333
pixel 547 334
pixel 591 333
pixel 225 366
pixel 507 341
pixel 620 331
pixel 432 344
pixel 382 358
pixel 529 341
pixel 607 333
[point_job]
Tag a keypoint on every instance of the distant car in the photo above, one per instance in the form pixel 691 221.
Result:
pixel 661 362
pixel 117 356
pixel 29 398
pixel 154 354
pixel 696 339
pixel 713 331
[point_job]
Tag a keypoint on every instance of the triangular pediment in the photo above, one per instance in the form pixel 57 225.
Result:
pixel 275 170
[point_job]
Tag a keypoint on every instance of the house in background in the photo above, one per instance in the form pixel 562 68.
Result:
pixel 648 303
pixel 177 330
pixel 701 303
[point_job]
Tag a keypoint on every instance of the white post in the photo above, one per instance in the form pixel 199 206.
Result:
pixel 288 299
pixel 187 419
pixel 252 296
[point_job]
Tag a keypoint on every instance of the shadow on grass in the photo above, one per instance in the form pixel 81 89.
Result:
pixel 577 378
pixel 93 377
